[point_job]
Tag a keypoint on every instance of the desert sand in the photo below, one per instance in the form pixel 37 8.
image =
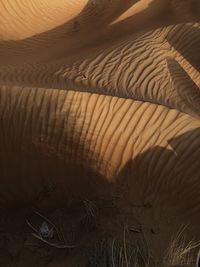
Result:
pixel 99 133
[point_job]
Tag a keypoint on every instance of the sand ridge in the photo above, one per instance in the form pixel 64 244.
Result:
pixel 115 171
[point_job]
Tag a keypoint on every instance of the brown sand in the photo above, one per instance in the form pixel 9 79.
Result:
pixel 99 208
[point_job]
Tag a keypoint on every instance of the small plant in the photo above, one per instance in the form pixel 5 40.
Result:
pixel 180 251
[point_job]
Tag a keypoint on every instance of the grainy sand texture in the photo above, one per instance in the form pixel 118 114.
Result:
pixel 99 133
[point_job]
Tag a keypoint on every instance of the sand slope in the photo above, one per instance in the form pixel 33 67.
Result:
pixel 135 196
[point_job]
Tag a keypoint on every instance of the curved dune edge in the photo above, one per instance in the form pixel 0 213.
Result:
pixel 24 19
pixel 135 67
pixel 84 23
pixel 118 177
pixel 162 211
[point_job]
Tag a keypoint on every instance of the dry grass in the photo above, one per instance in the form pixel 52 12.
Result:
pixel 126 252
pixel 180 251
pixel 124 255
pixel 128 260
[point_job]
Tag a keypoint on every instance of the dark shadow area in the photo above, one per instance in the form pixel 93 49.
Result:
pixel 186 89
pixel 187 44
pixel 151 199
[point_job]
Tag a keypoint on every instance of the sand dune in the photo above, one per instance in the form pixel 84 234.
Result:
pixel 99 133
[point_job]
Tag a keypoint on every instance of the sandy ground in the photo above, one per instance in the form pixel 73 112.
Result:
pixel 71 29
pixel 90 227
